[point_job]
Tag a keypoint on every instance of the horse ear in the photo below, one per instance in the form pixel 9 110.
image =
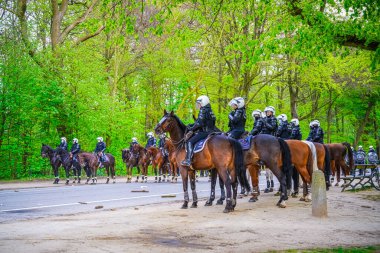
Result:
pixel 172 113
pixel 43 144
pixel 165 112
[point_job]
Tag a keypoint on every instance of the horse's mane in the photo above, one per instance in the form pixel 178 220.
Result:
pixel 47 146
pixel 180 123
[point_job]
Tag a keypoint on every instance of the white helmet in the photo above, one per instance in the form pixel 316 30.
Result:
pixel 316 122
pixel 311 123
pixel 370 147
pixel 150 134
pixel 75 140
pixel 134 139
pixel 100 138
pixel 203 100
pixel 296 122
pixel 63 139
pixel 270 109
pixel 256 112
pixel 238 101
pixel 360 147
pixel 163 135
pixel 282 117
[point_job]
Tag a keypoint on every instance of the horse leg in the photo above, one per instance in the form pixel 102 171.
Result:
pixel 67 170
pixel 213 183
pixel 108 173
pixel 193 191
pixel 138 174
pixel 155 172
pixel 254 172
pixel 227 181
pixel 295 177
pixel 56 176
pixel 337 169
pixel 222 191
pixel 184 175
pixel 79 170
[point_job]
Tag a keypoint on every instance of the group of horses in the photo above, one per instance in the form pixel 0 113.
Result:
pixel 223 156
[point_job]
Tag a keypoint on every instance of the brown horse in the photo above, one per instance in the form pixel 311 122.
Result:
pixel 323 161
pixel 55 162
pixel 131 160
pixel 338 152
pixel 172 159
pixel 274 154
pixel 304 159
pixel 220 152
pixel 158 160
pixel 143 161
pixel 91 161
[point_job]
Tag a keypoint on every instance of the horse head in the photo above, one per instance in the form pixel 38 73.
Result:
pixel 46 151
pixel 172 124
pixel 125 155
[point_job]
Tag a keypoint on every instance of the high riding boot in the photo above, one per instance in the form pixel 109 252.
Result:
pixel 268 186
pixel 271 186
pixel 189 154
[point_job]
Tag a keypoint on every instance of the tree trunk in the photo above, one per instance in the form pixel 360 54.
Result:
pixel 363 123
pixel 329 118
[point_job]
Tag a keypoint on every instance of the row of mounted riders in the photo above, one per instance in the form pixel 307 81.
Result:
pixel 223 154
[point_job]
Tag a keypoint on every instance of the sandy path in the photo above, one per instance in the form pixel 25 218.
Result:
pixel 354 219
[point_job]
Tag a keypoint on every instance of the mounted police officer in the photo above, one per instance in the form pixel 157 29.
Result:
pixel 316 132
pixel 258 124
pixel 269 122
pixel 100 147
pixel 134 141
pixel 284 130
pixel 75 149
pixel 372 156
pixel 237 118
pixel 151 140
pixel 203 126
pixel 296 131
pixel 63 143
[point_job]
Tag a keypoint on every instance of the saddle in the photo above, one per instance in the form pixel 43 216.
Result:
pixel 246 142
pixel 200 145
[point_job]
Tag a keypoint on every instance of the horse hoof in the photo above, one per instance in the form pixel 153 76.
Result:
pixel 307 200
pixel 219 202
pixel 184 206
pixel 294 195
pixel 336 184
pixel 282 204
pixel 302 199
pixel 252 199
pixel 194 205
pixel 277 194
pixel 208 203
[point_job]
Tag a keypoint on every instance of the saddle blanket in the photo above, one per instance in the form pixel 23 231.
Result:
pixel 200 145
pixel 246 142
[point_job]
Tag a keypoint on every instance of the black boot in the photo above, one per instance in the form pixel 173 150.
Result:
pixel 189 154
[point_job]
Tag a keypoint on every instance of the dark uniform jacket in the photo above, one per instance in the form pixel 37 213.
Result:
pixel 75 148
pixel 360 157
pixel 269 126
pixel 284 130
pixel 151 142
pixel 63 145
pixel 372 157
pixel 296 133
pixel 257 126
pixel 205 121
pixel 100 147
pixel 237 119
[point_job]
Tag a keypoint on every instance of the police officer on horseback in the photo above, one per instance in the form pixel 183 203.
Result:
pixel 63 143
pixel 161 145
pixel 284 130
pixel 316 132
pixel 203 126
pixel 269 122
pixel 151 140
pixel 296 131
pixel 75 149
pixel 372 156
pixel 134 141
pixel 258 124
pixel 360 156
pixel 237 118
pixel 100 147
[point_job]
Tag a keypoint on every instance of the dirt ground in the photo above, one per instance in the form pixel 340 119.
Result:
pixel 353 220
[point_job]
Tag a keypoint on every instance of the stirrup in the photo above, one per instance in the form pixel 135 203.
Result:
pixel 186 163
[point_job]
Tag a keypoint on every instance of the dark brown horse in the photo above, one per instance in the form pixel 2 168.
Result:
pixel 143 161
pixel 220 152
pixel 55 162
pixel 131 160
pixel 274 154
pixel 68 163
pixel 338 152
pixel 91 161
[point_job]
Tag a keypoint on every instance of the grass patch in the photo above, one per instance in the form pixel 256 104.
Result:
pixel 366 249
pixel 365 188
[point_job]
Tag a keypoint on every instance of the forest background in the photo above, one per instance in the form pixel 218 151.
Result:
pixel 88 68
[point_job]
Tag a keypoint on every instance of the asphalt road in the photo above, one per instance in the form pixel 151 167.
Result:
pixel 27 203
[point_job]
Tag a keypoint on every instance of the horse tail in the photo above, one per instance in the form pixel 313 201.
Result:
pixel 310 162
pixel 327 159
pixel 286 156
pixel 240 169
pixel 350 154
